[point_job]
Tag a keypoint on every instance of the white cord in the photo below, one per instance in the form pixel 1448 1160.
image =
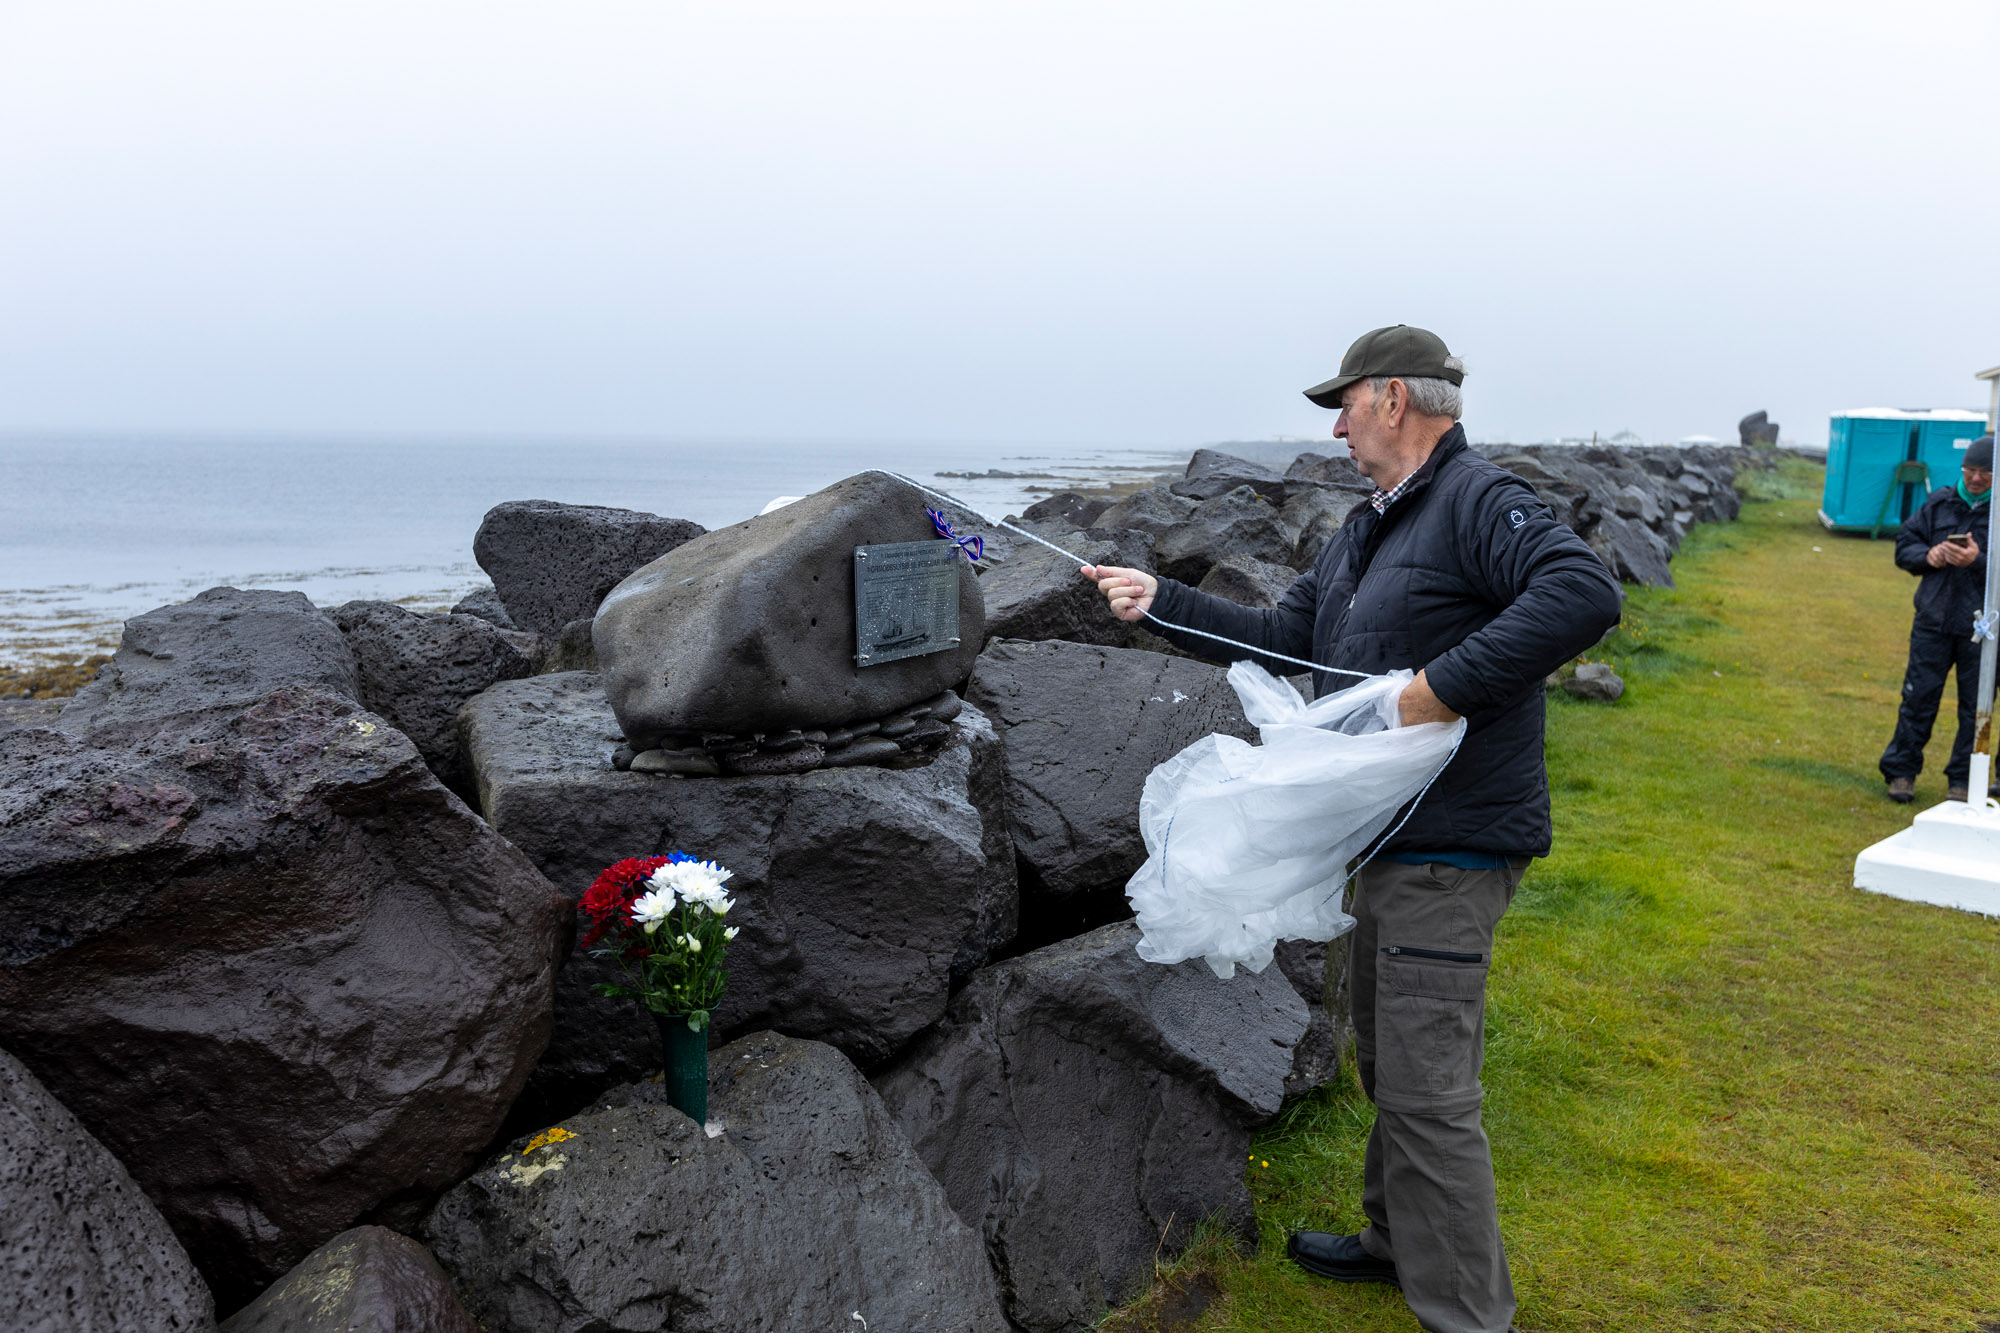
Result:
pixel 1164 624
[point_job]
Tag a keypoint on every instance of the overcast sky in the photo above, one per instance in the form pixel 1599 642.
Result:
pixel 1045 222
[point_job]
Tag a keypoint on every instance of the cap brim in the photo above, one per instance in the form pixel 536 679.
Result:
pixel 1328 394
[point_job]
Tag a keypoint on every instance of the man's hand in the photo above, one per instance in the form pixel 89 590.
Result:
pixel 1417 704
pixel 1130 591
pixel 1956 555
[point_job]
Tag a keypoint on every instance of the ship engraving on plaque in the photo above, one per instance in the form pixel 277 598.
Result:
pixel 905 600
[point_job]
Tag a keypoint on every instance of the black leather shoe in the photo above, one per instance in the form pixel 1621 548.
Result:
pixel 1341 1258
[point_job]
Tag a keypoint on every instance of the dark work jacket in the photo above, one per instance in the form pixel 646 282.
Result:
pixel 1948 598
pixel 1470 577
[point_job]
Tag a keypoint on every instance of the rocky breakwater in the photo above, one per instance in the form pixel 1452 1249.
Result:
pixel 295 987
pixel 1633 506
pixel 251 942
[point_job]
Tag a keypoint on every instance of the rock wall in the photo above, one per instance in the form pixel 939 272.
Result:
pixel 293 985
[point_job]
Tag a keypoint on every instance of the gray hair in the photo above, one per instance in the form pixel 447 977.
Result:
pixel 1433 398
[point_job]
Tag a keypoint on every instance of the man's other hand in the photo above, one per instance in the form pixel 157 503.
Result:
pixel 1130 591
pixel 1417 704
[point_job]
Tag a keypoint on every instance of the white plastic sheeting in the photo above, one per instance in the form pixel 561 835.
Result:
pixel 1249 844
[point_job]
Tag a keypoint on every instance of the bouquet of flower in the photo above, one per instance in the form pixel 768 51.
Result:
pixel 661 917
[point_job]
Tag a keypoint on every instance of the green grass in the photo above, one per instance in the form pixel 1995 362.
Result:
pixel 1726 1091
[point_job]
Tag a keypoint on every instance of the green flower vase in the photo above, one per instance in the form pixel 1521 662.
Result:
pixel 686 1064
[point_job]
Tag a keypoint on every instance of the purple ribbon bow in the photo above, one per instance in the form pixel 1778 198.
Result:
pixel 973 546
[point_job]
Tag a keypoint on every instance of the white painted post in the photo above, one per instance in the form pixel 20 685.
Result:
pixel 1981 777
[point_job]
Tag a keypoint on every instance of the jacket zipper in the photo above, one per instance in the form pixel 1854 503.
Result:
pixel 1395 950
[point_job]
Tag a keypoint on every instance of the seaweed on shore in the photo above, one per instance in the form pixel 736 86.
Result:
pixel 57 680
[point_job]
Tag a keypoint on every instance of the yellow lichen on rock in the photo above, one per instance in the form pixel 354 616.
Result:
pixel 525 1174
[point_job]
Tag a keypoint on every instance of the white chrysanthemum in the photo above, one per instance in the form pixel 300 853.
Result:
pixel 729 932
pixel 661 881
pixel 695 880
pixel 653 908
pixel 693 944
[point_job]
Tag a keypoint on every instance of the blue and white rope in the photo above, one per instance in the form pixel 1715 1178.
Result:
pixel 1164 624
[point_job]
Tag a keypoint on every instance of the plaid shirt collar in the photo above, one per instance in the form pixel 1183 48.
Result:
pixel 1382 499
pixel 1450 443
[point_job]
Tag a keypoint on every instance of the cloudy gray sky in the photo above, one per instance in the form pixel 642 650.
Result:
pixel 1064 222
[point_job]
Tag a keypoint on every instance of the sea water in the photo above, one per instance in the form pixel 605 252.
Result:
pixel 93 531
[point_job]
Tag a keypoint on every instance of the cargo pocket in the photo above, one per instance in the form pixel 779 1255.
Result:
pixel 1429 1006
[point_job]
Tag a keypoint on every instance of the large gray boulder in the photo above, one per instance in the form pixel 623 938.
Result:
pixel 416 671
pixel 1758 429
pixel 553 563
pixel 1310 518
pixel 752 628
pixel 264 956
pixel 1067 510
pixel 860 892
pixel 485 603
pixel 1083 726
pixel 1595 681
pixel 221 649
pixel 1631 551
pixel 1248 581
pixel 1722 503
pixel 1211 473
pixel 1237 522
pixel 1086 1111
pixel 1037 594
pixel 367 1280
pixel 81 1248
pixel 1338 473
pixel 1638 502
pixel 1153 510
pixel 808 1211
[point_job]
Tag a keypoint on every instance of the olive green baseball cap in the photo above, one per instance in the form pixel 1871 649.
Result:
pixel 1399 351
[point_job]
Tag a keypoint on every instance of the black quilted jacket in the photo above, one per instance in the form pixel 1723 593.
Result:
pixel 1470 577
pixel 1948 598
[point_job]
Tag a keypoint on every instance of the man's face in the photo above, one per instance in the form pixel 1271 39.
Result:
pixel 1359 424
pixel 1977 479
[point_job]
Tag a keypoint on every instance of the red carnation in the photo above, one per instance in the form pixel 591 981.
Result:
pixel 608 901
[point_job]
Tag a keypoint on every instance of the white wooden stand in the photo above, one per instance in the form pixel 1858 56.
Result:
pixel 1949 855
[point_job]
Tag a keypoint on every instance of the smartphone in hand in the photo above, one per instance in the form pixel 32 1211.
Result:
pixel 1959 539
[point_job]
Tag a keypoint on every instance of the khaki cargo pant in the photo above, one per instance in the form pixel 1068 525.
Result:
pixel 1422 940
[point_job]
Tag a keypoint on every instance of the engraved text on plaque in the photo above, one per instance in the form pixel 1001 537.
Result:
pixel 905 600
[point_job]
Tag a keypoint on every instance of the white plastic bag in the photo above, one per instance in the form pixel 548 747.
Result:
pixel 1249 844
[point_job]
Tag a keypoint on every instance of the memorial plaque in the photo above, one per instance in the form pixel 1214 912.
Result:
pixel 905 600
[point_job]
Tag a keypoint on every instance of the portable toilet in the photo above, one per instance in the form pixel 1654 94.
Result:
pixel 1882 461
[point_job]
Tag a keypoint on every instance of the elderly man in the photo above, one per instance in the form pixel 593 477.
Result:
pixel 1456 570
pixel 1943 544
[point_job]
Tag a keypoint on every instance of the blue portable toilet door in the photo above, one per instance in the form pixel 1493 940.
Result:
pixel 1943 448
pixel 1875 445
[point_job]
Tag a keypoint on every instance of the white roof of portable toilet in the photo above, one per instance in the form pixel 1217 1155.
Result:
pixel 1913 414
